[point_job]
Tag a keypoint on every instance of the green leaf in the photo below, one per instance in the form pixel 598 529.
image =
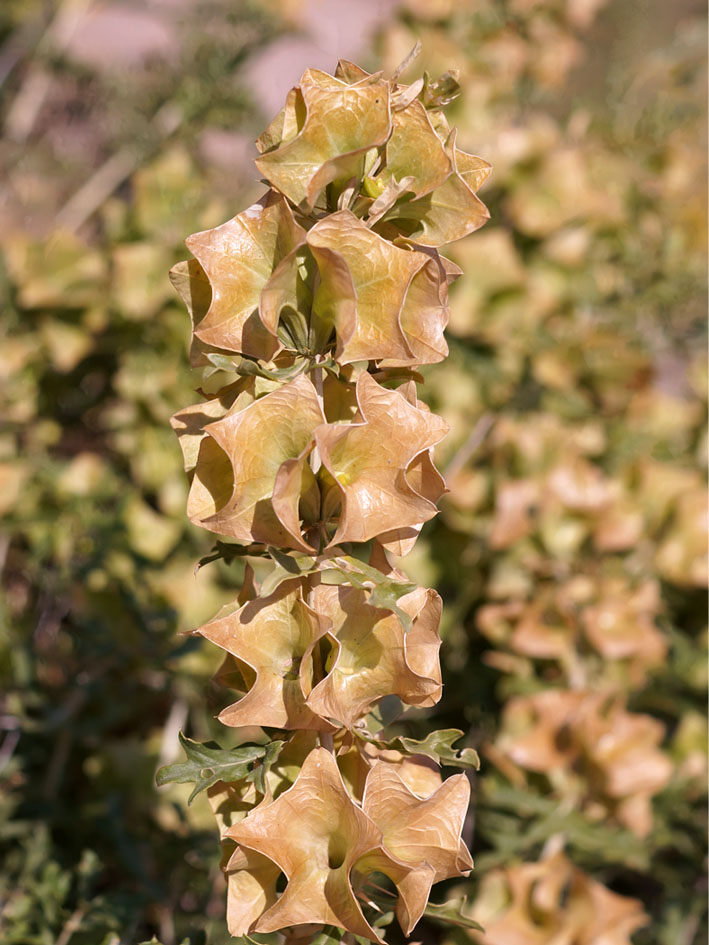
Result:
pixel 208 763
pixel 155 941
pixel 259 772
pixel 287 566
pixel 384 592
pixel 258 938
pixel 439 747
pixel 221 362
pixel 296 563
pixel 385 919
pixel 451 913
pixel 329 935
pixel 246 366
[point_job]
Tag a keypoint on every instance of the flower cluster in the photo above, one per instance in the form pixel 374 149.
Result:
pixel 311 311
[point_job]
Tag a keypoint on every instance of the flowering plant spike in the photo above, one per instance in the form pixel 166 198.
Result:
pixel 312 457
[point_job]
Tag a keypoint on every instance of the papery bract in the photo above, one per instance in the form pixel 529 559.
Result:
pixel 251 888
pixel 385 302
pixel 369 460
pixel 536 903
pixel 420 829
pixel 238 258
pixel 323 134
pixel 270 635
pixel 315 833
pixel 372 654
pixel 239 461
pixel 312 309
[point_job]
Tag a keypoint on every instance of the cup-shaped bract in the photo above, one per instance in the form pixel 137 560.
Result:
pixel 238 258
pixel 271 635
pixel 323 134
pixel 315 833
pixel 385 302
pixel 373 655
pixel 369 460
pixel 239 461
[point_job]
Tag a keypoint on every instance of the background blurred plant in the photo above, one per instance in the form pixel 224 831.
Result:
pixel 569 552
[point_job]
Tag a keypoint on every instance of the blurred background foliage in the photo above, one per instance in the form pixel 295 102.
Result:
pixel 570 552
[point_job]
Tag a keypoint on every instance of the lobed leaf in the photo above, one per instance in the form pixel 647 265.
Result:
pixel 439 746
pixel 452 912
pixel 207 764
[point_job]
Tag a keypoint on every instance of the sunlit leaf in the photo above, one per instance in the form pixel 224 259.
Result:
pixel 439 746
pixel 206 764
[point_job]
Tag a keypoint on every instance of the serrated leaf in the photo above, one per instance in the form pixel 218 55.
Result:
pixel 295 564
pixel 258 773
pixel 206 764
pixel 451 913
pixel 439 747
pixel 285 568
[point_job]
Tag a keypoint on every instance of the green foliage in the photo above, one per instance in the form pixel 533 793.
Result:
pixel 208 763
pixel 439 747
pixel 452 912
